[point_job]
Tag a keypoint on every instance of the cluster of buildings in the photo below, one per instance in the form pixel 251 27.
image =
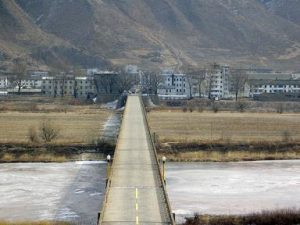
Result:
pixel 88 85
pixel 216 83
pixel 219 83
pixel 61 85
pixel 272 84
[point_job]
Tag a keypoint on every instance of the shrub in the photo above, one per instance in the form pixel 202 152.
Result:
pixel 286 136
pixel 215 108
pixel 33 107
pixel 48 132
pixel 33 135
pixel 241 106
pixel 200 109
pixel 184 109
pixel 3 108
pixel 279 108
pixel 191 109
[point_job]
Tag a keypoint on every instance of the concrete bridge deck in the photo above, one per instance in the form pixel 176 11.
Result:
pixel 135 193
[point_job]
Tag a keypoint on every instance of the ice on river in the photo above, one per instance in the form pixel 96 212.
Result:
pixel 53 191
pixel 74 191
pixel 233 188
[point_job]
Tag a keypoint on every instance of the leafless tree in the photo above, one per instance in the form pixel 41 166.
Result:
pixel 33 135
pixel 48 132
pixel 126 81
pixel 238 78
pixel 19 74
pixel 106 83
pixel 195 78
pixel 152 80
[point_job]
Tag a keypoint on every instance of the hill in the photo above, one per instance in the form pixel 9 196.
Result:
pixel 20 37
pixel 159 33
pixel 286 9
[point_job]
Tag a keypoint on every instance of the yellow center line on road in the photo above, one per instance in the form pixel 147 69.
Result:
pixel 137 206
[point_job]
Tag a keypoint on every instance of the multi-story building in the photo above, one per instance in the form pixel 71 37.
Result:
pixel 78 87
pixel 85 87
pixel 174 86
pixel 217 82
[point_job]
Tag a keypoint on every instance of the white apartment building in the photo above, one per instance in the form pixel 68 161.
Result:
pixel 174 86
pixel 3 82
pixel 31 83
pixel 25 83
pixel 217 82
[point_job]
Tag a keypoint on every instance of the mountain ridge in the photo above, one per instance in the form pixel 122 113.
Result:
pixel 170 33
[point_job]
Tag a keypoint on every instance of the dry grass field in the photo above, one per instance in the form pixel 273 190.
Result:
pixel 172 125
pixel 77 124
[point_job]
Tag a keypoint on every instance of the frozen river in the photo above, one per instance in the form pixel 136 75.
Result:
pixel 39 191
pixel 233 188
pixel 74 191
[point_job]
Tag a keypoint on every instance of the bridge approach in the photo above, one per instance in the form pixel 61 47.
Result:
pixel 136 193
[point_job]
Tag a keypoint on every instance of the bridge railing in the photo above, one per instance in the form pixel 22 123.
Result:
pixel 170 214
pixel 101 213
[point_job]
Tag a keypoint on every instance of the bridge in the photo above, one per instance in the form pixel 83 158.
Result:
pixel 136 192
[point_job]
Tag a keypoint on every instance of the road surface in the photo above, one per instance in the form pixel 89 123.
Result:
pixel 135 194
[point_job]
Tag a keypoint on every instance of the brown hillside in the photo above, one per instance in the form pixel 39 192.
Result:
pixel 159 33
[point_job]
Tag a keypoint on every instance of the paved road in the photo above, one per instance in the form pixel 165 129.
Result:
pixel 135 195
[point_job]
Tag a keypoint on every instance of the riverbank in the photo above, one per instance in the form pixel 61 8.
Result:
pixel 227 151
pixel 12 153
pixel 279 217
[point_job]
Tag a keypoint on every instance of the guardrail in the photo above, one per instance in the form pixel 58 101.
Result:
pixel 172 219
pixel 101 213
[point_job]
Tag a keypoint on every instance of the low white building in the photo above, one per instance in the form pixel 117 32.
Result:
pixel 31 83
pixel 25 83
pixel 174 86
pixel 39 74
pixel 271 83
pixel 257 87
